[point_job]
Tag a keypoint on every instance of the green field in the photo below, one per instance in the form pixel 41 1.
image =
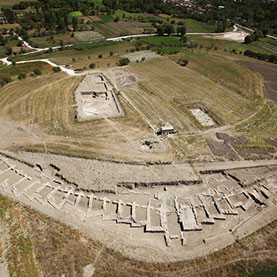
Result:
pixel 105 17
pixel 269 40
pixel 194 26
pixel 160 41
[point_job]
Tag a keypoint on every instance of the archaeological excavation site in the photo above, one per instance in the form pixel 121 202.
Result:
pixel 138 138
pixel 122 176
pixel 151 212
pixel 96 98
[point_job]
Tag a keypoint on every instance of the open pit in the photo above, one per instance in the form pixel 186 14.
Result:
pixel 202 117
pixel 96 98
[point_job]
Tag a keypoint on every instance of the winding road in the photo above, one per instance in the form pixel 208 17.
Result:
pixel 71 72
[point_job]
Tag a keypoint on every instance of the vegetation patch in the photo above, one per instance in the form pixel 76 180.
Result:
pixel 73 14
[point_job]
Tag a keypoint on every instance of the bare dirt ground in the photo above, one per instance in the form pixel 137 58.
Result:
pixel 269 73
pixel 17 134
pixel 238 36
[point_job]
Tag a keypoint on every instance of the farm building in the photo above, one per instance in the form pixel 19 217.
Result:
pixel 166 130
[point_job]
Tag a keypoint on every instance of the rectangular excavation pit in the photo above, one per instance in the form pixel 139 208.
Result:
pixel 111 208
pixel 12 177
pixel 201 214
pixel 22 185
pixel 172 223
pixel 125 211
pixel 95 98
pixel 187 219
pixel 83 203
pixel 141 214
pixel 96 205
pixel 155 219
pixel 203 117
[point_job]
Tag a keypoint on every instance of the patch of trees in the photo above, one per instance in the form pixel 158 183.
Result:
pixel 52 15
pixel 5 81
pixel 256 14
pixel 181 30
pixel 9 15
pixel 221 26
pixel 149 6
pixel 165 28
pixel 253 37
pixel 24 5
pixel 261 56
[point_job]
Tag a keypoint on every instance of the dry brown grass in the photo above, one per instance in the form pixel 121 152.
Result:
pixel 166 90
pixel 163 94
pixel 48 101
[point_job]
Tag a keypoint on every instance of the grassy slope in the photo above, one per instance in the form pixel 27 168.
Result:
pixel 263 125
pixel 194 26
pixel 84 57
pixel 48 102
pixel 13 71
pixel 228 45
pixel 170 88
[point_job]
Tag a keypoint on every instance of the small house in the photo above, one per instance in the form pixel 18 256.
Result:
pixel 167 130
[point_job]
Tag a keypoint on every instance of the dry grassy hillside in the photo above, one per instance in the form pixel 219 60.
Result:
pixel 155 92
pixel 48 102
pixel 166 90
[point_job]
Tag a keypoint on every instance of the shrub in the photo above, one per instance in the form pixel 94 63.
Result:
pixel 21 76
pixel 56 69
pixel 92 65
pixel 37 72
pixel 6 80
pixel 100 56
pixel 183 62
pixel 111 53
pixel 123 61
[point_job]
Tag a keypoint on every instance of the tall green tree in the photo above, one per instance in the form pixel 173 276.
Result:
pixel 75 23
